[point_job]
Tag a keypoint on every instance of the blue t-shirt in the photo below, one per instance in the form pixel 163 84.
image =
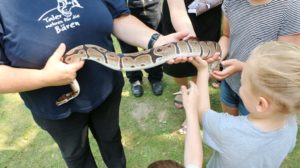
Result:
pixel 238 143
pixel 31 30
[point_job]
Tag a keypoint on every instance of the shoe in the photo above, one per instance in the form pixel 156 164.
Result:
pixel 137 89
pixel 182 130
pixel 157 88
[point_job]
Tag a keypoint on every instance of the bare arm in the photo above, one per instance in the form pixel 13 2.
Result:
pixel 295 38
pixel 202 83
pixel 179 17
pixel 132 31
pixel 193 151
pixel 55 73
pixel 224 40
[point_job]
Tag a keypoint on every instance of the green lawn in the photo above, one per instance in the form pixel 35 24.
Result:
pixel 148 127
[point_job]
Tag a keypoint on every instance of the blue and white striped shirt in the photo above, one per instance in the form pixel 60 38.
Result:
pixel 251 25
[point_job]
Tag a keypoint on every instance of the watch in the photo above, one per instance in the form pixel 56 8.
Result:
pixel 153 39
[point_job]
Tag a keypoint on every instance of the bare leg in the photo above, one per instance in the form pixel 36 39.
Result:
pixel 231 110
pixel 194 78
pixel 181 81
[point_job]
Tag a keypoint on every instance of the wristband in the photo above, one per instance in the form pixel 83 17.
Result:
pixel 153 39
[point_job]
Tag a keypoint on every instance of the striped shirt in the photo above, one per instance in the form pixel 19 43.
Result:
pixel 251 25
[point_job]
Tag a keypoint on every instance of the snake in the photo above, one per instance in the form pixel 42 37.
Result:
pixel 138 60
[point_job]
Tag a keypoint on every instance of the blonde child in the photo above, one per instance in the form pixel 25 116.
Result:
pixel 270 87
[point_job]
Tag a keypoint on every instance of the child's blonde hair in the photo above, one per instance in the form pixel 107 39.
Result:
pixel 165 164
pixel 275 73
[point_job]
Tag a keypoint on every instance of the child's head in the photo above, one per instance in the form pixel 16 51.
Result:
pixel 165 164
pixel 273 72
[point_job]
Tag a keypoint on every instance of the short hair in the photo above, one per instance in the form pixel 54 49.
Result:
pixel 274 71
pixel 165 164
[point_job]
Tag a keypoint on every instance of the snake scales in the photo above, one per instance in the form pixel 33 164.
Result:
pixel 139 60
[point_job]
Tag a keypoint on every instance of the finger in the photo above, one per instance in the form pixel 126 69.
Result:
pixel 59 52
pixel 184 92
pixel 180 35
pixel 180 59
pixel 171 61
pixel 76 65
pixel 227 62
pixel 217 77
pixel 194 62
pixel 220 74
pixel 189 36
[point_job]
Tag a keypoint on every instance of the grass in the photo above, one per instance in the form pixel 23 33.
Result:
pixel 148 127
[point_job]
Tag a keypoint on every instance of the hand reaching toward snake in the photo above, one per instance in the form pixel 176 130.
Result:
pixel 139 60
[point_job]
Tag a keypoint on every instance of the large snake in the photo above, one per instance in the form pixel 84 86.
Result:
pixel 138 60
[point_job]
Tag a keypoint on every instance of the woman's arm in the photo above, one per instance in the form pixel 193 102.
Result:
pixel 224 40
pixel 295 39
pixel 179 17
pixel 55 73
pixel 134 32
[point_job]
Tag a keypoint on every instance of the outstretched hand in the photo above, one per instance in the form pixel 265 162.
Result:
pixel 58 73
pixel 190 99
pixel 232 66
pixel 199 63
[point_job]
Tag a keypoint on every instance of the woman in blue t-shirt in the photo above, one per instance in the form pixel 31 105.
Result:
pixel 31 48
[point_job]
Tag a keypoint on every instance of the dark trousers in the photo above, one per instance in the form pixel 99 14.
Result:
pixel 71 135
pixel 149 12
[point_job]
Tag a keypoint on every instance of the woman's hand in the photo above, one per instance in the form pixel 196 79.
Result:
pixel 232 66
pixel 173 37
pixel 57 73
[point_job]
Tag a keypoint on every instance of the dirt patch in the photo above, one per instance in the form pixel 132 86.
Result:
pixel 140 113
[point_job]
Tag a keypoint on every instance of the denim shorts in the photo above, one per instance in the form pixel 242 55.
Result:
pixel 231 99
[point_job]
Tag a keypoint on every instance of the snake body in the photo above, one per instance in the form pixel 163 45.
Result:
pixel 138 60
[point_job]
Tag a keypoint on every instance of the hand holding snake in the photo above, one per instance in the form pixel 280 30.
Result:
pixel 139 60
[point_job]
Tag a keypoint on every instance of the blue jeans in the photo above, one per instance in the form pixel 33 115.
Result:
pixel 231 99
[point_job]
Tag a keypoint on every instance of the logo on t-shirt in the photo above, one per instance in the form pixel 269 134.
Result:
pixel 61 18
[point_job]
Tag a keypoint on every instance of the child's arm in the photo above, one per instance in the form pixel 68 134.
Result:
pixel 202 83
pixel 193 152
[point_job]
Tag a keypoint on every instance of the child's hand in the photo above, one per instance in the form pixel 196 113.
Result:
pixel 190 99
pixel 199 63
pixel 232 66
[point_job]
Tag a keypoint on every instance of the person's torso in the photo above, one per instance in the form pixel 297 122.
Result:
pixel 33 29
pixel 245 146
pixel 249 26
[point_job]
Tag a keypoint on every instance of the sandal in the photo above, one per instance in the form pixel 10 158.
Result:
pixel 216 84
pixel 178 101
pixel 182 130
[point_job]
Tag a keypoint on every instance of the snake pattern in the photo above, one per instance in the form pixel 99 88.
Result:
pixel 138 60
